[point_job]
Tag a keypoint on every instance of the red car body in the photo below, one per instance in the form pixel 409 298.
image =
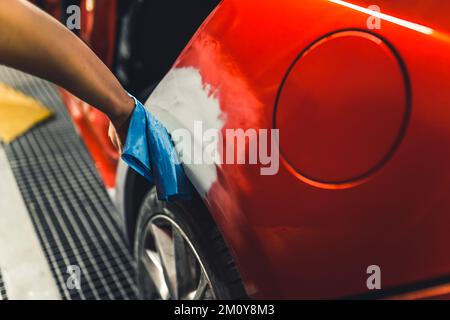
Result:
pixel 364 119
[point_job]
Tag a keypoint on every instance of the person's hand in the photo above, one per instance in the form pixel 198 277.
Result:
pixel 118 136
pixel 118 128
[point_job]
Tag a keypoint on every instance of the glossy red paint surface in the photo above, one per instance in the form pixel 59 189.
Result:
pixel 292 239
pixel 326 128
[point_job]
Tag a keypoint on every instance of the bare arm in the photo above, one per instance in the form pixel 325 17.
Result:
pixel 36 43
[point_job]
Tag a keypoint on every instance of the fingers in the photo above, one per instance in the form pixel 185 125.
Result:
pixel 118 133
pixel 112 133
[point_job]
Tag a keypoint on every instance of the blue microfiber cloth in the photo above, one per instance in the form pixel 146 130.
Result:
pixel 149 150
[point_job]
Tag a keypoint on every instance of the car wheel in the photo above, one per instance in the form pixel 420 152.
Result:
pixel 181 255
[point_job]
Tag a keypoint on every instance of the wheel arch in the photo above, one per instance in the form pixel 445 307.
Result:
pixel 146 25
pixel 131 189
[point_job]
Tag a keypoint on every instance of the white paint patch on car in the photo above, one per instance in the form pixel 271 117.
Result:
pixel 180 100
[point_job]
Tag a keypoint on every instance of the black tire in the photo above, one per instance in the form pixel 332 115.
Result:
pixel 203 236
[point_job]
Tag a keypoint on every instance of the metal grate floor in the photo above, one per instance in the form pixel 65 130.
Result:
pixel 71 211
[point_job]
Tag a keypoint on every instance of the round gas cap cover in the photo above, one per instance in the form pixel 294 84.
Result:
pixel 342 109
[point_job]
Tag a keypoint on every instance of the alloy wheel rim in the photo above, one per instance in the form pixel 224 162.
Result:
pixel 171 267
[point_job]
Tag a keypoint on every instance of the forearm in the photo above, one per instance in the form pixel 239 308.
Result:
pixel 32 41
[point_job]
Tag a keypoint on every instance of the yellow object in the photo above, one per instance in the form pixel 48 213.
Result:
pixel 18 113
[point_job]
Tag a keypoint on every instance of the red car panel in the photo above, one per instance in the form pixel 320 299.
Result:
pixel 290 237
